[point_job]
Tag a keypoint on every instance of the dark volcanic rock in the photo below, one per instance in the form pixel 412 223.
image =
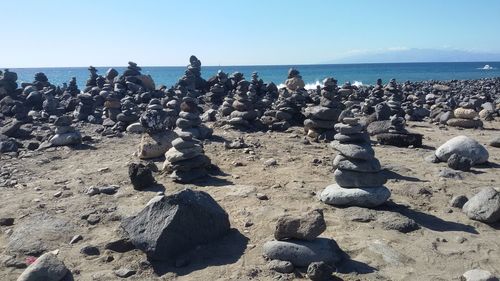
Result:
pixel 140 176
pixel 176 224
pixel 457 162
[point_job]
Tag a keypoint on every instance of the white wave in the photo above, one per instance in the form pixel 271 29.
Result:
pixel 313 86
pixel 486 67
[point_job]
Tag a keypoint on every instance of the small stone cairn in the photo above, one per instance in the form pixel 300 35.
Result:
pixel 358 176
pixel 65 133
pixel 186 161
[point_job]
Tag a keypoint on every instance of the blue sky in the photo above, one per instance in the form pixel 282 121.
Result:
pixel 39 33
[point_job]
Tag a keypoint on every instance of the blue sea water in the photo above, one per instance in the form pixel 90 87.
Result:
pixel 359 73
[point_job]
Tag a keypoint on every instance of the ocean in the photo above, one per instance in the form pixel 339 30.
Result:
pixel 312 74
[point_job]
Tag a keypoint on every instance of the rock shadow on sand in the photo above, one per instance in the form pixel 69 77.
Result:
pixel 224 251
pixel 427 220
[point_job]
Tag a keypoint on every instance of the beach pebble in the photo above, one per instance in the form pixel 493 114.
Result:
pixel 124 272
pixel 280 266
pixel 484 206
pixel 305 227
pixel 302 253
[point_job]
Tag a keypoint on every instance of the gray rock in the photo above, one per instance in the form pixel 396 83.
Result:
pixel 431 158
pixel 457 162
pixel 450 174
pixel 495 142
pixel 354 138
pixel 306 227
pixel 46 268
pixel 40 233
pixel 369 166
pixel 478 275
pixel 362 151
pixel 378 127
pixel 66 139
pixel 347 178
pixel 319 271
pixel 176 224
pixel 361 197
pixel 395 221
pixel 302 253
pixel 458 201
pixel 173 155
pixel 280 266
pixel 465 147
pixel 135 128
pixel 346 129
pixel 90 250
pixel 322 112
pixel 484 206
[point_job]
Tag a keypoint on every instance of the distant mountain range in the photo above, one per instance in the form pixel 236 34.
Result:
pixel 416 55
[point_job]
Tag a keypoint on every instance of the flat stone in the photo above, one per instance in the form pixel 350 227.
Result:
pixel 465 123
pixel 348 178
pixel 200 161
pixel 302 253
pixel 362 151
pixel 189 176
pixel 173 155
pixel 484 206
pixel 369 166
pixel 400 139
pixel 305 227
pixel 319 124
pixel 354 138
pixel 39 233
pixel 347 129
pixel 181 144
pixel 45 268
pixel 362 197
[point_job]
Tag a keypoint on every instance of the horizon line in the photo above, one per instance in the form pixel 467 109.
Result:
pixel 248 65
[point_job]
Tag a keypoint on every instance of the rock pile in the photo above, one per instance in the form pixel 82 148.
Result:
pixel 397 135
pixel 297 242
pixel 189 121
pixel 358 177
pixel 321 118
pixel 243 113
pixel 465 118
pixel 157 138
pixel 186 161
pixel 65 133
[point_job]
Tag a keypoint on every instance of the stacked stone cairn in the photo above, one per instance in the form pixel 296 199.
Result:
pixel 92 80
pixel 358 176
pixel 464 117
pixel 243 113
pixel 297 245
pixel 157 138
pixel 321 118
pixel 186 161
pixel 189 120
pixel 130 113
pixel 192 80
pixel 398 136
pixel 65 133
pixel 218 88
pixel 395 96
pixel 294 82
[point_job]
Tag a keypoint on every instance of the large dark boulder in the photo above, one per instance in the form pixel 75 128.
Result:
pixel 140 176
pixel 176 224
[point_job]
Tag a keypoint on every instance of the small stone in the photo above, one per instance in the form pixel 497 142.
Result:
pixel 124 272
pixel 305 227
pixel 140 176
pixel 478 275
pixel 270 162
pixel 90 251
pixel 58 194
pixel 91 191
pixel 120 246
pixel 395 221
pixel 319 271
pixel 457 162
pixel 6 221
pixel 280 266
pixel 458 201
pixel 262 196
pixel 93 219
pixel 75 239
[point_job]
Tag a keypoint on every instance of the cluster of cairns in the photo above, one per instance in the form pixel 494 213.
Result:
pixel 359 180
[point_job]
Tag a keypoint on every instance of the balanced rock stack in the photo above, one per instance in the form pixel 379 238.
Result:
pixel 85 107
pixel 65 133
pixel 244 113
pixel 358 177
pixel 157 138
pixel 189 121
pixel 322 118
pixel 294 83
pixel 186 161
pixel 465 118
pixel 297 244
pixel 398 135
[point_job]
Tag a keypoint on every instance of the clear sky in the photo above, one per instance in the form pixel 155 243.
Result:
pixel 41 33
